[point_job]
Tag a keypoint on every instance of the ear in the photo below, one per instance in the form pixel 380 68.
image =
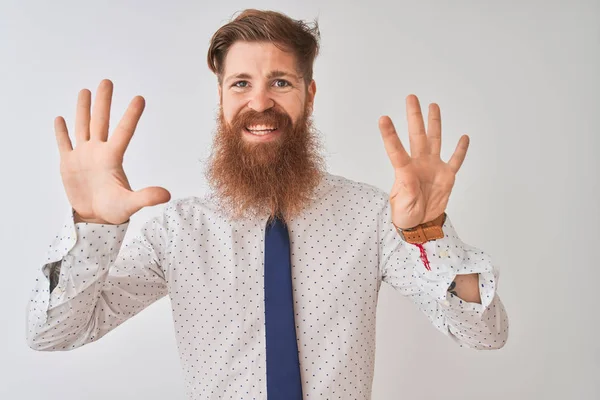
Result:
pixel 220 93
pixel 310 95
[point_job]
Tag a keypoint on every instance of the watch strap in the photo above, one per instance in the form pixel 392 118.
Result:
pixel 425 232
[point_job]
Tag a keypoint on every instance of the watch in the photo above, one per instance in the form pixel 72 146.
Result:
pixel 425 232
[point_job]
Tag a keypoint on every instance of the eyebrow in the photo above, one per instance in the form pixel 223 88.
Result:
pixel 270 75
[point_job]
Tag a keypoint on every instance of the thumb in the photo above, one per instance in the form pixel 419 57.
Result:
pixel 148 197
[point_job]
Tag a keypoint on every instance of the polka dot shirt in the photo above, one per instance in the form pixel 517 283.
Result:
pixel 343 247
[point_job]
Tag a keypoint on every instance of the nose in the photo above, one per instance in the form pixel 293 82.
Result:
pixel 261 101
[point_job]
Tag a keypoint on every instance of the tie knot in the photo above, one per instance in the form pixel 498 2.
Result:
pixel 275 220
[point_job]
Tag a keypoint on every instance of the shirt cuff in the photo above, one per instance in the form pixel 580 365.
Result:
pixel 67 239
pixel 70 245
pixel 449 257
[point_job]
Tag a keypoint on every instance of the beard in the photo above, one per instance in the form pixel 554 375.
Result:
pixel 274 178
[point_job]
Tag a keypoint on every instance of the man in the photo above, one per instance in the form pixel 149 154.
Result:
pixel 273 277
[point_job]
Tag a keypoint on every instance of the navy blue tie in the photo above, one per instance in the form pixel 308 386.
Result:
pixel 283 366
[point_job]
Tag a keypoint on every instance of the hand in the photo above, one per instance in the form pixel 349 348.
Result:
pixel 423 182
pixel 92 173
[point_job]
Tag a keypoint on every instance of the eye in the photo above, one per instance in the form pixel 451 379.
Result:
pixel 281 83
pixel 240 84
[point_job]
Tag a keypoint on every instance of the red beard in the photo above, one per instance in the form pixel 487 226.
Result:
pixel 271 178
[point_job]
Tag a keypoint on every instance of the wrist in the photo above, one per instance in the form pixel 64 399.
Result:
pixel 424 232
pixel 77 219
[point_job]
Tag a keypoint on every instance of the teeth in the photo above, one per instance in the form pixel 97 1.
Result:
pixel 260 130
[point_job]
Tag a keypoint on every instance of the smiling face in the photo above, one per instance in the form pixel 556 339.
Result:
pixel 262 81
pixel 266 156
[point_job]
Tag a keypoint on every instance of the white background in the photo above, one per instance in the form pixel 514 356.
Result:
pixel 520 78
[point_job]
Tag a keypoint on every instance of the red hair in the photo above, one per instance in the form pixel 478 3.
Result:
pixel 267 26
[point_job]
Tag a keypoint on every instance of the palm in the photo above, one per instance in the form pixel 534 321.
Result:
pixel 423 182
pixel 92 173
pixel 96 184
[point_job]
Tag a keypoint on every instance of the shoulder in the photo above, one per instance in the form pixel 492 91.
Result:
pixel 185 207
pixel 351 189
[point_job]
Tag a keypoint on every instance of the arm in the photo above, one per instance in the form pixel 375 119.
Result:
pixel 90 283
pixel 473 315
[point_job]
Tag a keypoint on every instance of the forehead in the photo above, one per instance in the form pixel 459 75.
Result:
pixel 258 58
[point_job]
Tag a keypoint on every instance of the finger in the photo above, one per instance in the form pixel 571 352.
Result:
pixel 124 131
pixel 393 146
pixel 434 129
pixel 416 127
pixel 101 111
pixel 62 136
pixel 82 116
pixel 460 153
pixel 149 197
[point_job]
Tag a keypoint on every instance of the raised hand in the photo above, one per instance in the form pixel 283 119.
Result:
pixel 92 172
pixel 423 182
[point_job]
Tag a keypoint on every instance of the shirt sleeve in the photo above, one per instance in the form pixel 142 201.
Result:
pixel 102 282
pixel 478 326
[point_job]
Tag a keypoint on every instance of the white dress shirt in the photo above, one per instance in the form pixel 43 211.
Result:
pixel 342 248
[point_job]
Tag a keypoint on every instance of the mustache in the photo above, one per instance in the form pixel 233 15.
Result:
pixel 271 116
